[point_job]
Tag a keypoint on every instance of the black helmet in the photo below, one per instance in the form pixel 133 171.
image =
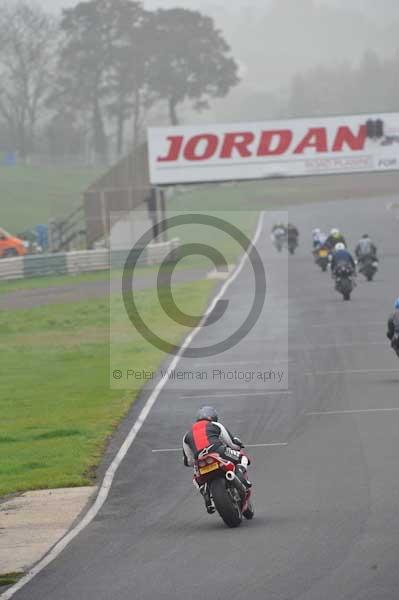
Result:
pixel 207 412
pixel 365 235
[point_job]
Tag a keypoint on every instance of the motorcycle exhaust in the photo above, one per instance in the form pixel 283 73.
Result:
pixel 240 487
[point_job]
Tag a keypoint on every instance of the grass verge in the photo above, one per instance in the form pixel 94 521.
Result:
pixel 9 579
pixel 31 283
pixel 57 406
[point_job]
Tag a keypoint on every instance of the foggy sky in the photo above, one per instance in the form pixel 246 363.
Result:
pixel 383 9
pixel 56 5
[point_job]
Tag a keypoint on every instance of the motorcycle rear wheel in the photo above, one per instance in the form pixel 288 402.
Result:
pixel 226 507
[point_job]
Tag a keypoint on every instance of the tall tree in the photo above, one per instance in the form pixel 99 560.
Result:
pixel 102 66
pixel 84 61
pixel 128 79
pixel 27 43
pixel 190 61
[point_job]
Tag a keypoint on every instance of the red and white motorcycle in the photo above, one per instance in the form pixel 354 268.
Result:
pixel 218 482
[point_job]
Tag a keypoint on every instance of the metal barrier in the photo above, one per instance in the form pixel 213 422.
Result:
pixel 87 260
pixel 84 261
pixel 37 265
pixel 12 268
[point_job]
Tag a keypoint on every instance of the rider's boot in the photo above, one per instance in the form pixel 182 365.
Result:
pixel 210 508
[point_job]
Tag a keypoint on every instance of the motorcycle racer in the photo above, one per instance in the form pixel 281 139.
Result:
pixel 365 248
pixel 342 256
pixel 393 326
pixel 318 238
pixel 207 433
pixel 292 232
pixel 279 236
pixel 334 238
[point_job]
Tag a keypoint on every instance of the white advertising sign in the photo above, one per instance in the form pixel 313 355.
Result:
pixel 291 148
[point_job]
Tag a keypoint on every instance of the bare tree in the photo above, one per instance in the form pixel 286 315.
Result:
pixel 27 43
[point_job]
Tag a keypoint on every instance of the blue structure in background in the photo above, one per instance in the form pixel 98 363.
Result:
pixel 42 236
pixel 8 159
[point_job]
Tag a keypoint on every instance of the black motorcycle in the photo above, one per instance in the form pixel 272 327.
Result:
pixel 395 344
pixel 292 245
pixel 344 281
pixel 368 266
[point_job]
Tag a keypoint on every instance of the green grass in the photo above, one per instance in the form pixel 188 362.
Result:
pixel 32 283
pixel 280 194
pixel 33 195
pixel 57 407
pixel 7 287
pixel 9 578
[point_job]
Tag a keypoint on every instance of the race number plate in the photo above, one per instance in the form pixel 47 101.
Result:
pixel 208 469
pixel 323 253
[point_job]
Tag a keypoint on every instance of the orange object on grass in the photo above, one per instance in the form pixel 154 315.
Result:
pixel 10 245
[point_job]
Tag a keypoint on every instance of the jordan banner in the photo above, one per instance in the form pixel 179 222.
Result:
pixel 290 148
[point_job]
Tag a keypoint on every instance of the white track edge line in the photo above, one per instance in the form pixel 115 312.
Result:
pixel 112 469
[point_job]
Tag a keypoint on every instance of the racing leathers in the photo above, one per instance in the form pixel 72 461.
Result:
pixel 292 233
pixel 365 249
pixel 204 434
pixel 393 325
pixel 214 437
pixel 279 232
pixel 319 238
pixel 342 257
pixel 333 240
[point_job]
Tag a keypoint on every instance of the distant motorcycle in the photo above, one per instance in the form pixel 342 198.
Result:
pixel 322 258
pixel 292 245
pixel 395 344
pixel 279 237
pixel 368 267
pixel 344 281
pixel 218 478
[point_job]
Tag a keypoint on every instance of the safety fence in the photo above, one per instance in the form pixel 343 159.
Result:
pixel 85 261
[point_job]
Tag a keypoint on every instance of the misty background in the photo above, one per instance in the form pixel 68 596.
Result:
pixel 294 58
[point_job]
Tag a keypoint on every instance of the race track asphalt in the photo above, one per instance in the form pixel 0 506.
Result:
pixel 327 503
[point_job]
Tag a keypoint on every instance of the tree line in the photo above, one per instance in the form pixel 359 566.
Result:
pixel 89 78
pixel 370 86
pixel 87 83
